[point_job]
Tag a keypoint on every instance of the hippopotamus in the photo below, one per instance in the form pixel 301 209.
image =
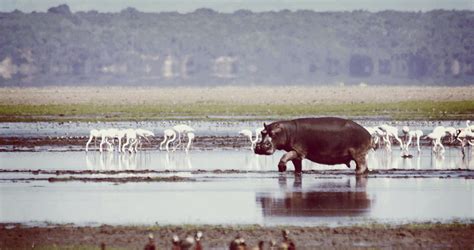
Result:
pixel 325 140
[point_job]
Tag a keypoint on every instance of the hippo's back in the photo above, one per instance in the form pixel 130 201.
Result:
pixel 330 139
pixel 330 126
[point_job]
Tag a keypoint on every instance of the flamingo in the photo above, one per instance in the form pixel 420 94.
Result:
pixel 412 134
pixel 248 133
pixel 181 129
pixel 452 133
pixel 118 134
pixel 169 136
pixel 464 135
pixel 131 135
pixel 469 126
pixel 376 133
pixel 438 133
pixel 142 133
pixel 93 134
pixel 108 133
pixel 390 131
pixel 190 139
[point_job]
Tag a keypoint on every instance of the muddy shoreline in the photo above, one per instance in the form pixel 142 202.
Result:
pixel 425 235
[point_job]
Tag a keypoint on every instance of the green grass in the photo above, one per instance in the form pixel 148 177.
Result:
pixel 408 110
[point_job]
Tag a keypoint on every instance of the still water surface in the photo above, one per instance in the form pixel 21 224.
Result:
pixel 263 197
pixel 219 159
pixel 269 199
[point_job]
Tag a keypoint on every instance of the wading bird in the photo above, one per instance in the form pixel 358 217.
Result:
pixel 390 131
pixel 131 136
pixel 436 136
pixel 465 135
pixel 106 134
pixel 248 133
pixel 410 135
pixel 93 135
pixel 181 129
pixel 169 135
pixel 190 136
pixel 142 133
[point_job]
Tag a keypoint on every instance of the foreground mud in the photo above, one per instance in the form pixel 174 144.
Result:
pixel 408 236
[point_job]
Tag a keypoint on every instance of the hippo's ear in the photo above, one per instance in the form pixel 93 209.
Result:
pixel 277 129
pixel 265 126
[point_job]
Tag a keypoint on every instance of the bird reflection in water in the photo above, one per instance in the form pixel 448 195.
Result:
pixel 177 161
pixel 117 162
pixel 326 199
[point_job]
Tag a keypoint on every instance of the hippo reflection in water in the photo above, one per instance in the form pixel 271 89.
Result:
pixel 326 140
pixel 327 199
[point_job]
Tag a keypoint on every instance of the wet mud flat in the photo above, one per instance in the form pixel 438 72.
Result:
pixel 148 175
pixel 408 236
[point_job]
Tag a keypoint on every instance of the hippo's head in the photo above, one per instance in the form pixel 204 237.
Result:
pixel 274 137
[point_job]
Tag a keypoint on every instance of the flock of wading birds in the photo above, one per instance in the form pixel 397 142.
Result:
pixel 382 134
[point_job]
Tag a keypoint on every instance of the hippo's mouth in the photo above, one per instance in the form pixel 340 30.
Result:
pixel 264 149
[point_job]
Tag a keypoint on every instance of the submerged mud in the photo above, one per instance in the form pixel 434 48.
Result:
pixel 156 175
pixel 105 179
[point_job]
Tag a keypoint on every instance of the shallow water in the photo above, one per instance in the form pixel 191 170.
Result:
pixel 266 199
pixel 220 159
pixel 261 196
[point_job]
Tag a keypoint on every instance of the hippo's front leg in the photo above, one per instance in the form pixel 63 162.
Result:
pixel 290 156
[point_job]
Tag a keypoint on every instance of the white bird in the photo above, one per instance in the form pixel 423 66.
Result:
pixel 119 135
pixel 249 134
pixel 438 133
pixel 375 133
pixel 469 126
pixel 106 134
pixel 131 136
pixel 181 129
pixel 465 135
pixel 390 131
pixel 190 139
pixel 414 134
pixel 142 133
pixel 169 136
pixel 93 135
pixel 452 133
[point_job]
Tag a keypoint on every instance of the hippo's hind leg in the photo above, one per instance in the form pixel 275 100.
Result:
pixel 298 165
pixel 360 159
pixel 361 166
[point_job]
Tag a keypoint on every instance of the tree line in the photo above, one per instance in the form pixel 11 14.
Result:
pixel 205 47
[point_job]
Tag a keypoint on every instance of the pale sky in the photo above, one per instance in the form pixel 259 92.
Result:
pixel 184 6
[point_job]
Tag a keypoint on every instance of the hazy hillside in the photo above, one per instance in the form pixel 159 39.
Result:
pixel 210 48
